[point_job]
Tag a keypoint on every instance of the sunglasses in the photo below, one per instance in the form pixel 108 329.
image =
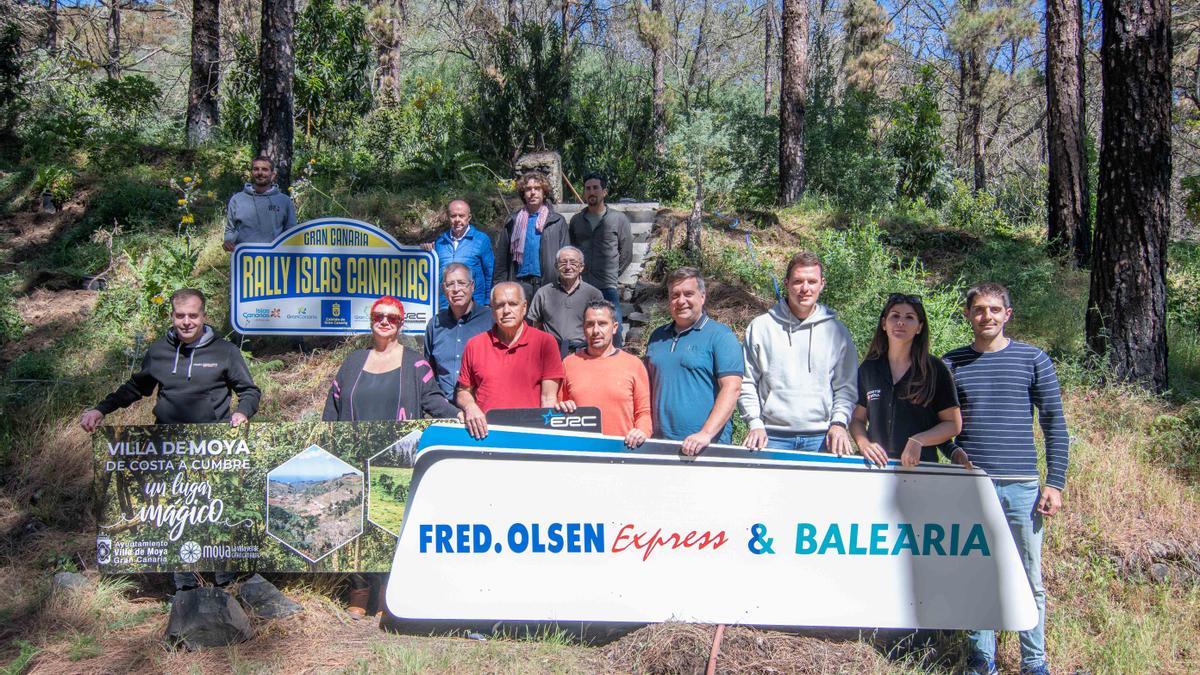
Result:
pixel 388 317
pixel 901 297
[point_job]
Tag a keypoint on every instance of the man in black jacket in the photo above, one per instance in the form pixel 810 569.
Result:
pixel 605 236
pixel 193 371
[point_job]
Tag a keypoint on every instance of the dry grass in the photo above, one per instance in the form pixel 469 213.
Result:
pixel 685 648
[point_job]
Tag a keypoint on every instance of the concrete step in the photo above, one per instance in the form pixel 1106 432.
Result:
pixel 641 251
pixel 638 229
pixel 630 277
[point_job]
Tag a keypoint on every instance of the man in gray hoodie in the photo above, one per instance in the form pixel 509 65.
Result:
pixel 260 212
pixel 800 384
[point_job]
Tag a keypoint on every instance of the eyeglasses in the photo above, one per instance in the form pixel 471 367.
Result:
pixel 382 317
pixel 896 298
pixel 456 283
pixel 570 263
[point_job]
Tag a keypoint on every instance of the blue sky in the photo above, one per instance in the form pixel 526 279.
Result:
pixel 312 464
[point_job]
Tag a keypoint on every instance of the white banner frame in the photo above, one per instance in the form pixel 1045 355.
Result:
pixel 517 478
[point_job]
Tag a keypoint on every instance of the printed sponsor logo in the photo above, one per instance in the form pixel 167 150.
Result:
pixel 873 395
pixel 560 420
pixel 103 550
pixel 189 552
pixel 335 314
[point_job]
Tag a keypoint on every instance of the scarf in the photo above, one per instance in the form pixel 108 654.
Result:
pixel 517 245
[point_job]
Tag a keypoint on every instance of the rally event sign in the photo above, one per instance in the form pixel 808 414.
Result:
pixel 304 496
pixel 535 525
pixel 321 278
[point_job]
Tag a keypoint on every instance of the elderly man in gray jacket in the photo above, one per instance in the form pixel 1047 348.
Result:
pixel 260 212
pixel 801 375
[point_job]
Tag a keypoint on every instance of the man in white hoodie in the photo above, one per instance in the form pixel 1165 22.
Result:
pixel 800 383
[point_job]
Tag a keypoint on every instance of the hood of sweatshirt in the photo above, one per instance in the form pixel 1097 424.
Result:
pixel 792 326
pixel 248 188
pixel 207 336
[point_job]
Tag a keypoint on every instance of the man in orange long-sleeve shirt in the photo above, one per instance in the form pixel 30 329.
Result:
pixel 612 380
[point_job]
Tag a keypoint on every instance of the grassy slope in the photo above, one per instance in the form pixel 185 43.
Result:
pixel 1125 504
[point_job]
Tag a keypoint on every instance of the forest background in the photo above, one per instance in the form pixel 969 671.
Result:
pixel 917 145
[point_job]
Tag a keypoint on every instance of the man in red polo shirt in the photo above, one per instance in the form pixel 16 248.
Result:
pixel 512 365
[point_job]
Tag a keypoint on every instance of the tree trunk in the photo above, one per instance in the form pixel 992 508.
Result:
pixel 975 117
pixel 793 84
pixel 511 15
pixel 277 63
pixel 51 26
pixel 768 53
pixel 387 52
pixel 691 239
pixel 202 107
pixel 1068 209
pixel 113 39
pixel 1127 302
pixel 658 58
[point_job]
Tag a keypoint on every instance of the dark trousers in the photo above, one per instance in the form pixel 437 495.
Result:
pixel 613 295
pixel 530 284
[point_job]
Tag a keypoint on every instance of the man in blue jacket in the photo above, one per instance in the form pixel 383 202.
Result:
pixel 466 244
pixel 260 212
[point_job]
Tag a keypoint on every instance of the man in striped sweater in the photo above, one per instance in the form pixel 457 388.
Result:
pixel 1000 381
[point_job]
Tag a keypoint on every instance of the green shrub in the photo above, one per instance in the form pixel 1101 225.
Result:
pixel 860 273
pixel 975 212
pixel 1179 431
pixel 12 326
pixel 843 159
pixel 56 180
pixel 127 100
pixel 132 202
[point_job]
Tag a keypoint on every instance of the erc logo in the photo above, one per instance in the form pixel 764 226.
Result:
pixel 560 420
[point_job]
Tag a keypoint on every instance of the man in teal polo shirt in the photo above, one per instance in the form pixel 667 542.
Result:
pixel 696 367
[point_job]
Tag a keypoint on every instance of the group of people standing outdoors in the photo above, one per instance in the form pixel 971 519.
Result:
pixel 535 323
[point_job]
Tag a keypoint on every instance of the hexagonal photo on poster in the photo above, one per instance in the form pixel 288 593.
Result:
pixel 314 503
pixel 389 473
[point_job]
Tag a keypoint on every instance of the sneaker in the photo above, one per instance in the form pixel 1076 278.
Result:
pixel 980 665
pixel 1036 670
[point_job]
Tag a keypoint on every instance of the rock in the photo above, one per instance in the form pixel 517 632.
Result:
pixel 634 334
pixel 69 581
pixel 1160 572
pixel 638 318
pixel 262 599
pixel 207 617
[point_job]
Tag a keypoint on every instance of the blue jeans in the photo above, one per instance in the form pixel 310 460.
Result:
pixel 613 295
pixel 1019 501
pixel 809 442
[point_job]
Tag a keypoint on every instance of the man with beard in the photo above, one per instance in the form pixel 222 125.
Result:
pixel 260 212
pixel 528 243
pixel 606 238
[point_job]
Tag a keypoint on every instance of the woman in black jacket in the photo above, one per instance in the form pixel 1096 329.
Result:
pixel 387 381
pixel 907 401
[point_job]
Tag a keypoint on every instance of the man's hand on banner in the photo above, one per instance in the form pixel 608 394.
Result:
pixel 837 440
pixel 696 443
pixel 756 439
pixel 476 422
pixel 91 419
pixel 565 406
pixel 238 419
pixel 959 456
pixel 635 438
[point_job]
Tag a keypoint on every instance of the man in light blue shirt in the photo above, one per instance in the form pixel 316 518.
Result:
pixel 696 365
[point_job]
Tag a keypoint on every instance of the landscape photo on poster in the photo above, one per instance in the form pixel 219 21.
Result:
pixel 278 496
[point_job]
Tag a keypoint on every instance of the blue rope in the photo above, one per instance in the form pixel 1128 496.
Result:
pixel 750 249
